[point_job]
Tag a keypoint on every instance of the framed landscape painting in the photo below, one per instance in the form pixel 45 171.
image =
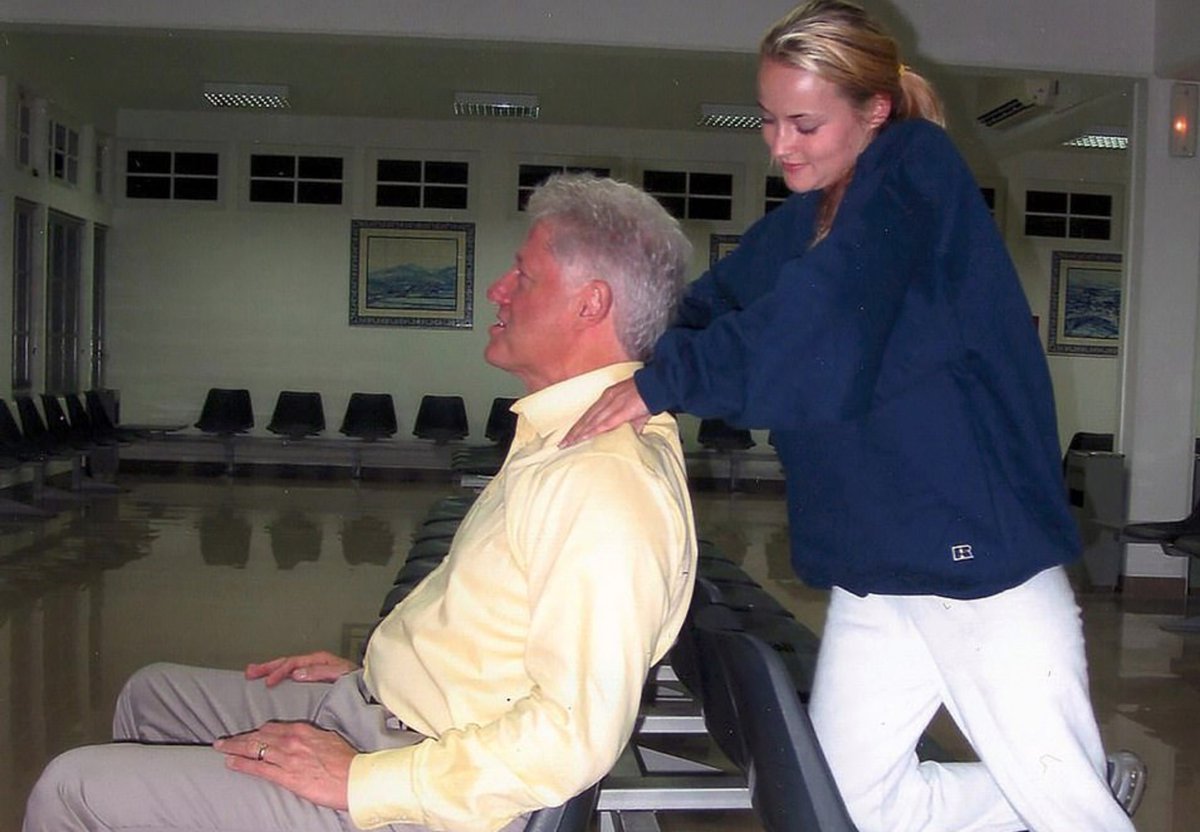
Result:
pixel 721 244
pixel 1085 303
pixel 412 273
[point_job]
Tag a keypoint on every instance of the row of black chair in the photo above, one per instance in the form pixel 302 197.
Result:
pixel 64 429
pixel 368 416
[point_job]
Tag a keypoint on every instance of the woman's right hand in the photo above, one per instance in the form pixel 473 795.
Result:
pixel 618 405
pixel 321 666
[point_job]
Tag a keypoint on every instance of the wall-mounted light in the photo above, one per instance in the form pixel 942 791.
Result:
pixel 496 104
pixel 1183 119
pixel 730 117
pixel 247 96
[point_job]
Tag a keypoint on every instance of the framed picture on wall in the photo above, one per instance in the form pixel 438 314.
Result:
pixel 418 274
pixel 721 244
pixel 1085 303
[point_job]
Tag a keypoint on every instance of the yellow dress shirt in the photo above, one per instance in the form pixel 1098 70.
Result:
pixel 524 654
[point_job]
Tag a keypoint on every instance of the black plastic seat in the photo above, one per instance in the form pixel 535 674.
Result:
pixel 16 451
pixel 718 435
pixel 441 419
pixel 101 410
pixel 13 441
pixel 297 415
pixel 790 781
pixel 728 441
pixel 485 460
pixel 575 815
pixel 1162 531
pixel 501 421
pixel 226 412
pixel 65 434
pixel 35 430
pixel 55 444
pixel 369 416
pixel 82 424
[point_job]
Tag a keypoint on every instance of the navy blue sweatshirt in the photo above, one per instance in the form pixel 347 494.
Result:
pixel 897 364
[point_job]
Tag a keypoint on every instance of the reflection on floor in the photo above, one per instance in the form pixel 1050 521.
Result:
pixel 221 572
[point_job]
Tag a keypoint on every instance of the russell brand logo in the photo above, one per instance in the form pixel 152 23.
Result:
pixel 961 552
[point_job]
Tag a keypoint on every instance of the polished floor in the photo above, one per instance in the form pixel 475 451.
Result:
pixel 223 571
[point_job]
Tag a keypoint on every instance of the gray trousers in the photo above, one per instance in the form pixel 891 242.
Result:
pixel 161 774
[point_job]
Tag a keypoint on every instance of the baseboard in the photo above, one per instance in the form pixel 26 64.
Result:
pixel 1140 588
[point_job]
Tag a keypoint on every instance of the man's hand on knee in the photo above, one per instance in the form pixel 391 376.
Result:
pixel 313 763
pixel 321 666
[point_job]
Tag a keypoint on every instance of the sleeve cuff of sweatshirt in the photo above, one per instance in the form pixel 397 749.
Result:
pixel 651 390
pixel 381 789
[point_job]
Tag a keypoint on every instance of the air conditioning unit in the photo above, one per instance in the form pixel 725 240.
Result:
pixel 1007 102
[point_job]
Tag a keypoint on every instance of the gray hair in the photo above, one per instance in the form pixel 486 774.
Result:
pixel 607 230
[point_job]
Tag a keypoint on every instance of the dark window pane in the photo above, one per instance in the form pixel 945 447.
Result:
pixel 187 187
pixel 196 164
pixel 712 184
pixel 147 187
pixel 262 165
pixel 446 173
pixel 771 204
pixel 319 193
pixel 675 205
pixel 439 197
pixel 148 161
pixel 777 188
pixel 398 196
pixel 272 190
pixel 708 208
pixel 665 181
pixel 1095 205
pixel 989 197
pixel 1046 202
pixel 1084 228
pixel 321 167
pixel 398 170
pixel 1039 226
pixel 601 173
pixel 530 176
pixel 523 195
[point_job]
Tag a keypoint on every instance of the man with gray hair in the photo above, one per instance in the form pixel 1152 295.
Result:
pixel 509 679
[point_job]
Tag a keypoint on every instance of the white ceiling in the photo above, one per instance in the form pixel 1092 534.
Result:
pixel 94 72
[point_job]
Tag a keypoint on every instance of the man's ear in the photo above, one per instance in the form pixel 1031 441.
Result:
pixel 595 302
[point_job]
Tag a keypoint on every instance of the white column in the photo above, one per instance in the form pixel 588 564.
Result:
pixel 1158 424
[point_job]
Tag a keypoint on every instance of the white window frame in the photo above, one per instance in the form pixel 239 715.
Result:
pixel 1114 190
pixel 565 163
pixel 118 173
pixel 347 202
pixel 737 195
pixel 62 160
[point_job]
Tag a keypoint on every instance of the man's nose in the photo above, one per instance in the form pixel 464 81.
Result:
pixel 498 292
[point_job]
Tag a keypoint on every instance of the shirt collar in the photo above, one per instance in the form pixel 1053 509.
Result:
pixel 555 408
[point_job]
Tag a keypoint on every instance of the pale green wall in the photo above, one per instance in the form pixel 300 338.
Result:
pixel 257 296
pixel 240 295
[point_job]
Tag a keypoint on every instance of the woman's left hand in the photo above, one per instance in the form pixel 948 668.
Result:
pixel 618 405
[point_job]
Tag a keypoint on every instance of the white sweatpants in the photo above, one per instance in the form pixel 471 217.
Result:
pixel 1011 671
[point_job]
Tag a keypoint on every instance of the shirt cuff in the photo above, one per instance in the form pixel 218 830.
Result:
pixel 381 789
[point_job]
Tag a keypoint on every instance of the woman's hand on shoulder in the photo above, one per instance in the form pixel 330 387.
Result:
pixel 618 405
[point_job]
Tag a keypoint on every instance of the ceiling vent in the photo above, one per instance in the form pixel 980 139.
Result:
pixel 1008 102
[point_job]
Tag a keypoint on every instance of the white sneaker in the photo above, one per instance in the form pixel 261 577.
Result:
pixel 1127 779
